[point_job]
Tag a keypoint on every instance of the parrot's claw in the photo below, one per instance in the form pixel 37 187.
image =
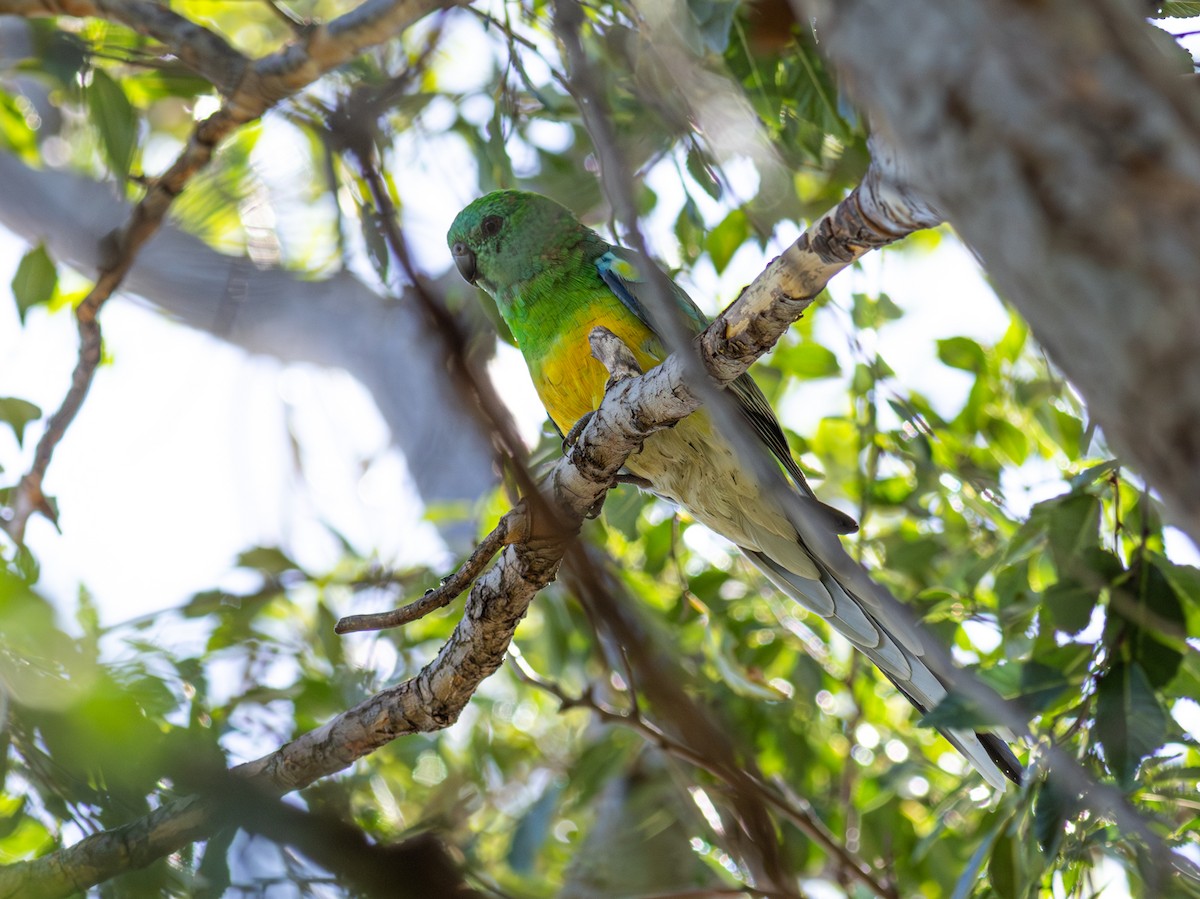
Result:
pixel 576 430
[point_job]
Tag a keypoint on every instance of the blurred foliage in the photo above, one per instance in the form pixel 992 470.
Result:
pixel 1069 604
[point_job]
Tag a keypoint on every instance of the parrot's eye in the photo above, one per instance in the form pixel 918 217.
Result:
pixel 491 225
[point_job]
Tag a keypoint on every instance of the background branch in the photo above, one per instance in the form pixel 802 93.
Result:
pixel 267 82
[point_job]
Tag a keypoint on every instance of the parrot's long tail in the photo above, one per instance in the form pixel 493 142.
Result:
pixel 892 645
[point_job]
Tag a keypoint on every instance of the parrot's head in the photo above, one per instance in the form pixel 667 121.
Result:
pixel 507 237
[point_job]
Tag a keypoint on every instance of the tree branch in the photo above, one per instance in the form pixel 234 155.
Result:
pixel 203 51
pixel 511 529
pixel 268 81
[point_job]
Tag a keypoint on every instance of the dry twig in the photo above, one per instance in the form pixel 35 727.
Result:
pixel 511 529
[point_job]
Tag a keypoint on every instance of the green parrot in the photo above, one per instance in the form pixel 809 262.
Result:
pixel 554 280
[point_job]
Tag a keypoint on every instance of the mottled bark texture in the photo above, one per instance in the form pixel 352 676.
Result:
pixel 1064 148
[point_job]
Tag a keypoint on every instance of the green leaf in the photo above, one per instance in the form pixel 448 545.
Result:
pixel 622 510
pixel 1184 579
pixel 702 174
pixel 35 280
pixel 963 353
pixel 115 119
pixel 60 54
pixel 1064 428
pixel 1093 474
pixel 1130 722
pixel 719 650
pixel 807 360
pixel 1178 9
pixel 267 559
pixel 1004 865
pixel 16 135
pixel 1010 345
pixel 1152 609
pixel 867 311
pixel 726 238
pixel 1040 685
pixel 837 439
pixel 1009 439
pixel 1071 604
pixel 1072 523
pixel 17 414
pixel 1051 810
pixel 689 230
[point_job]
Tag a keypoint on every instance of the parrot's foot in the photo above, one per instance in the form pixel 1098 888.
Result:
pixel 576 430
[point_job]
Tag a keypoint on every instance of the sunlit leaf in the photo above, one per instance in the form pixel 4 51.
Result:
pixel 17 413
pixel 1092 474
pixel 726 238
pixel 962 352
pixel 808 360
pixel 1010 439
pixel 35 280
pixel 115 120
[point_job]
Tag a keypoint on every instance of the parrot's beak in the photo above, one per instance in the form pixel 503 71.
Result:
pixel 465 260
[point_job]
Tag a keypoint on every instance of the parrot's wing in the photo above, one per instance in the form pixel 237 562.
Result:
pixel 622 270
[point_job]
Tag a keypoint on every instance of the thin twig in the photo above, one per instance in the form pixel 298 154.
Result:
pixel 257 88
pixel 511 529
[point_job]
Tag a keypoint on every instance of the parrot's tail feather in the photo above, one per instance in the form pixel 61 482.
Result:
pixel 1003 756
pixel 896 650
pixel 987 753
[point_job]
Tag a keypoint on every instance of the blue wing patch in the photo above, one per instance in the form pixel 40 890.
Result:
pixel 622 269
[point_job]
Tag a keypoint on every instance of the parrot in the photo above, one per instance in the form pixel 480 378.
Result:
pixel 553 280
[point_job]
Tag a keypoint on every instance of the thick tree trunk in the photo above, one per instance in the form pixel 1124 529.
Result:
pixel 1061 146
pixel 336 322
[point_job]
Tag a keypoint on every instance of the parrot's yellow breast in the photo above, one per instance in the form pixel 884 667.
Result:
pixel 569 381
